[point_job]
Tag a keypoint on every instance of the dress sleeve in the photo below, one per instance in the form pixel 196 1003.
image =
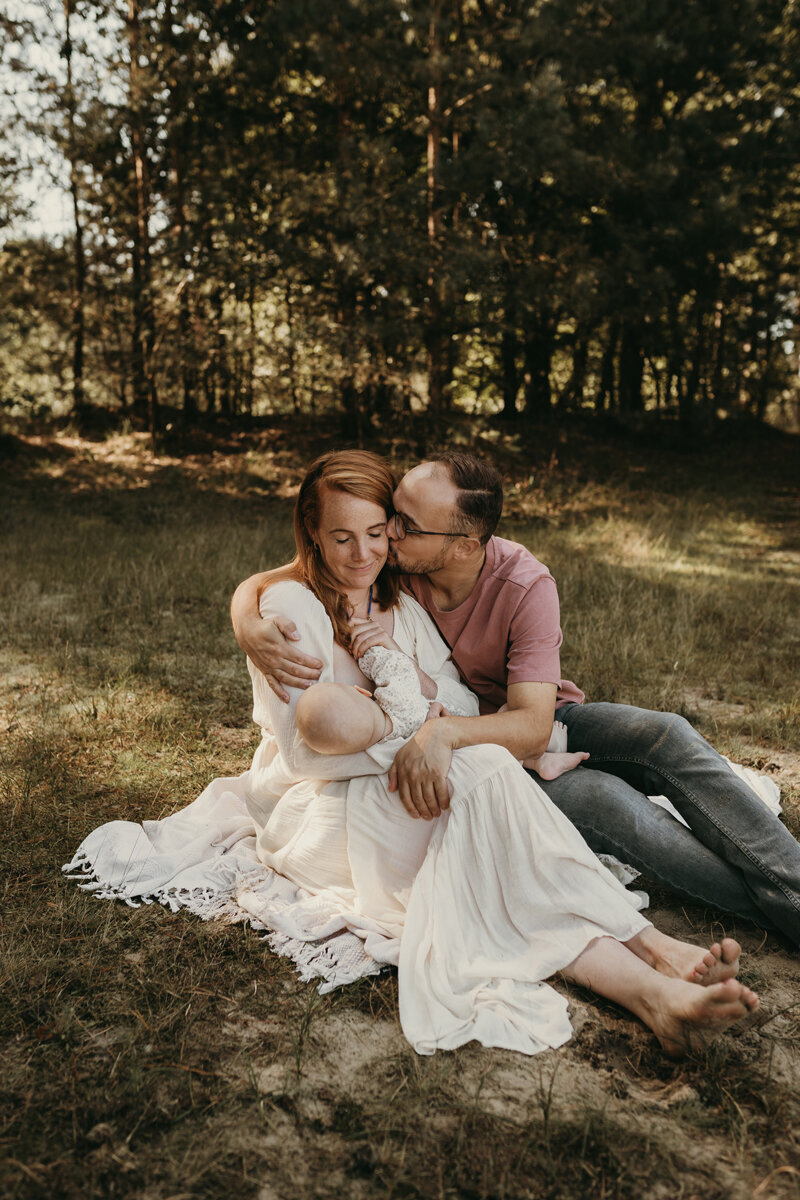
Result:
pixel 290 599
pixel 432 654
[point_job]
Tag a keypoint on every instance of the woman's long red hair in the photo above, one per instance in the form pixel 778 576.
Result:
pixel 358 473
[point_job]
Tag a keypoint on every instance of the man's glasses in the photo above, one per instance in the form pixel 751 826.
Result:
pixel 402 530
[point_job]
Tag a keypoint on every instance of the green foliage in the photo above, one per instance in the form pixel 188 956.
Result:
pixel 381 206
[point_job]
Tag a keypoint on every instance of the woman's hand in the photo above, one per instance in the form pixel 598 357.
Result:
pixel 367 634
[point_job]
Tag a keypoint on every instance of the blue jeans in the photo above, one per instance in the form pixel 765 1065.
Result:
pixel 735 855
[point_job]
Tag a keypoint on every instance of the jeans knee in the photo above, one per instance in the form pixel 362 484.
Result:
pixel 584 796
pixel 676 731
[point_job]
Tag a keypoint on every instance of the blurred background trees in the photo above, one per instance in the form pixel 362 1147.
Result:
pixel 521 207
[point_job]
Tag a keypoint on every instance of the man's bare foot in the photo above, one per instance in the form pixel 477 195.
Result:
pixel 687 1017
pixel 681 960
pixel 550 766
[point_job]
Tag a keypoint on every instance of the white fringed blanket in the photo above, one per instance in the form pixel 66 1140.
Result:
pixel 203 858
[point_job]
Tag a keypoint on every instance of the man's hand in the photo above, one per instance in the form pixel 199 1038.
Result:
pixel 269 644
pixel 419 772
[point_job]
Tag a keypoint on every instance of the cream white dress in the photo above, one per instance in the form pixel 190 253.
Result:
pixel 477 907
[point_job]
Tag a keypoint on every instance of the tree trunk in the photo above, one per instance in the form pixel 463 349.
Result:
pixel 675 354
pixel 538 346
pixel 631 369
pixel 436 340
pixel 573 394
pixel 79 285
pixel 137 335
pixel 607 392
pixel 347 307
pixel 222 374
pixel 290 350
pixel 509 350
pixel 145 390
pixel 186 349
pixel 660 381
pixel 187 353
pixel 353 423
pixel 718 390
pixel 692 381
pixel 764 382
pixel 251 341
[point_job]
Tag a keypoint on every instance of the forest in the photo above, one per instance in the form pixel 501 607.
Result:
pixel 520 208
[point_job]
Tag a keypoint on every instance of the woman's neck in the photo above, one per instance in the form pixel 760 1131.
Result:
pixel 360 602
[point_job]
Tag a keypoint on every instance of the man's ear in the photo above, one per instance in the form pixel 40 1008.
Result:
pixel 466 547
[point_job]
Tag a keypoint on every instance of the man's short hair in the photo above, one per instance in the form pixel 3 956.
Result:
pixel 480 492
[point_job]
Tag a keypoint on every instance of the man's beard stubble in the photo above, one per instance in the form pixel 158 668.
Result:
pixel 397 567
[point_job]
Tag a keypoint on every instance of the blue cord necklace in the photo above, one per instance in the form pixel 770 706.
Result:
pixel 369 602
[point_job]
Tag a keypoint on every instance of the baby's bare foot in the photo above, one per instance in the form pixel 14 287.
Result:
pixel 550 766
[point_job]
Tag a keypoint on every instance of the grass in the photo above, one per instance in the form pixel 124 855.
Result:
pixel 149 1055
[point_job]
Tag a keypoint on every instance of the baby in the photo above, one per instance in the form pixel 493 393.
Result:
pixel 335 718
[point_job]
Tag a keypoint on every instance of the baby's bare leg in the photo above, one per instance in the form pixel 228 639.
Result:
pixel 333 718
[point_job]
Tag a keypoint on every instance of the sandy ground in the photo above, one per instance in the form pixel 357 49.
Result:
pixel 610 1069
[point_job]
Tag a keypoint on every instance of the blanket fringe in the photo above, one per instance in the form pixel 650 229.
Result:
pixel 337 960
pixel 313 960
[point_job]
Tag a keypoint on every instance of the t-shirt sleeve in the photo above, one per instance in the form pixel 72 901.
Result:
pixel 535 636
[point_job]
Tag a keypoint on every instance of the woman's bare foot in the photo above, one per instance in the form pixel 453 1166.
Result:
pixel 682 1015
pixel 681 960
pixel 720 962
pixel 686 1017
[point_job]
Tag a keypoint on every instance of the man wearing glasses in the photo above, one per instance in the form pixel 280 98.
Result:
pixel 497 608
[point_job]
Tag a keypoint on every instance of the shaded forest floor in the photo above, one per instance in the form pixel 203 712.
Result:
pixel 150 1055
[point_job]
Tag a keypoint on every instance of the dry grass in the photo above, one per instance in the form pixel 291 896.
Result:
pixel 150 1055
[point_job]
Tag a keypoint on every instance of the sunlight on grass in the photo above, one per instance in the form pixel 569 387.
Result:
pixel 150 1055
pixel 651 611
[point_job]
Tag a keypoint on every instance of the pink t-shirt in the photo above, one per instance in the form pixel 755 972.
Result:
pixel 507 630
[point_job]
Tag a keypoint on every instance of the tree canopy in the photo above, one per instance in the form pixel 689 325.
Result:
pixel 523 207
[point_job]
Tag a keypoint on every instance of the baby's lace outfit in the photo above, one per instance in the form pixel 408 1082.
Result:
pixel 398 693
pixel 397 689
